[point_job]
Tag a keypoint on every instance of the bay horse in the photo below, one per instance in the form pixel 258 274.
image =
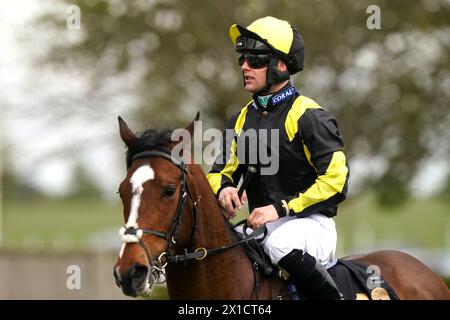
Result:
pixel 175 227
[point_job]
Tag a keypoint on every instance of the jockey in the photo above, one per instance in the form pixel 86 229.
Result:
pixel 298 200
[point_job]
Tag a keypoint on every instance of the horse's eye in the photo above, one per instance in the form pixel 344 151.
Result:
pixel 168 191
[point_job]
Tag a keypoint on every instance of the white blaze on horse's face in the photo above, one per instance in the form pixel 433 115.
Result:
pixel 139 177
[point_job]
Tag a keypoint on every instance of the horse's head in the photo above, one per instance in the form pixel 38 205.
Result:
pixel 155 195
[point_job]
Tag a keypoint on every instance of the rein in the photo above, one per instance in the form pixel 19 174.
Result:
pixel 201 253
pixel 130 234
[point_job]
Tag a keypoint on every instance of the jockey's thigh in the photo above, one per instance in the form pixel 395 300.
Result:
pixel 315 235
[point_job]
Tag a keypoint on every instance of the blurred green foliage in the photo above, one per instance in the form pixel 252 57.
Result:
pixel 85 188
pixel 446 191
pixel 389 88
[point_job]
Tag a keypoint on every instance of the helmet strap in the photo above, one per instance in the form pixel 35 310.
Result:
pixel 274 75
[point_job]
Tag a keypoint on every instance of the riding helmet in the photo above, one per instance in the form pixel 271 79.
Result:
pixel 271 34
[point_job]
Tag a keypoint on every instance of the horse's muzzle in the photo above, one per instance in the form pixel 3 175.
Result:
pixel 137 281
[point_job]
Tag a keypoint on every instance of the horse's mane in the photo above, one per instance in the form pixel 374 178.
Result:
pixel 157 139
pixel 150 139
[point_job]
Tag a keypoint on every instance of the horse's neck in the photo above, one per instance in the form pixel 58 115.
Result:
pixel 227 275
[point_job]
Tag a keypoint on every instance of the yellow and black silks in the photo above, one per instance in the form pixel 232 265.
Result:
pixel 313 173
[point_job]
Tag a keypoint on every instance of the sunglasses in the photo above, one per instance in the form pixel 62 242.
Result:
pixel 254 60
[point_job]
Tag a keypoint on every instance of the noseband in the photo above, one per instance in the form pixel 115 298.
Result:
pixel 134 235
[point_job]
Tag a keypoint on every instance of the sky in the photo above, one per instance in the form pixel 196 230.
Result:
pixel 45 152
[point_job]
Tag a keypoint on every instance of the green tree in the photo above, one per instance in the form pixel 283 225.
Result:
pixel 389 88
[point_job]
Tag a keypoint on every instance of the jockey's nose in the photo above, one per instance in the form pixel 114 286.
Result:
pixel 132 282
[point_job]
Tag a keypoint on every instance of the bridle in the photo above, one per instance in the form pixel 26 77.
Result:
pixel 134 235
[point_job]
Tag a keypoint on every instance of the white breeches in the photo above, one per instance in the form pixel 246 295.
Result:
pixel 315 235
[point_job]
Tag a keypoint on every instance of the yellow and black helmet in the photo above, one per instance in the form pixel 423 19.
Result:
pixel 271 34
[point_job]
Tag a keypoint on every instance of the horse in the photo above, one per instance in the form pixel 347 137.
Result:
pixel 176 231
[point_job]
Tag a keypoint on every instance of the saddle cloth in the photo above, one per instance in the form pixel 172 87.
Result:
pixel 356 281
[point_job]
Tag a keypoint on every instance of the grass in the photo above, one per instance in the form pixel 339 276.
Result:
pixel 46 222
pixel 359 222
pixel 417 223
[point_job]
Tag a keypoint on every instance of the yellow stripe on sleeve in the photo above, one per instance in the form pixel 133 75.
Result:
pixel 300 105
pixel 326 185
pixel 215 179
pixel 308 155
pixel 241 119
pixel 232 163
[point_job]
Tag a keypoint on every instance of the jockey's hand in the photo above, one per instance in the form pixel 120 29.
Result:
pixel 229 201
pixel 262 215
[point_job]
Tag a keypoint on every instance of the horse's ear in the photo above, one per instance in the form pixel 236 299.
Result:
pixel 125 133
pixel 190 127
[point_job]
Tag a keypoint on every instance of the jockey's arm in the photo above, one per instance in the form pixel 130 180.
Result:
pixel 226 172
pixel 323 147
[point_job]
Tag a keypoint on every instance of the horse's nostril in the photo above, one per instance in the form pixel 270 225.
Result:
pixel 138 274
pixel 117 277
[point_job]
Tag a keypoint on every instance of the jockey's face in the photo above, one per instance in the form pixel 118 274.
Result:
pixel 254 79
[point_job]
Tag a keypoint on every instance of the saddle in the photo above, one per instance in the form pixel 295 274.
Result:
pixel 251 243
pixel 260 259
pixel 355 280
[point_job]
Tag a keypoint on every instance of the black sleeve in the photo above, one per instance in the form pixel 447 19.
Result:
pixel 320 134
pixel 324 149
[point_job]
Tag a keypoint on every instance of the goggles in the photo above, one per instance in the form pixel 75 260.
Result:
pixel 255 60
pixel 247 44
